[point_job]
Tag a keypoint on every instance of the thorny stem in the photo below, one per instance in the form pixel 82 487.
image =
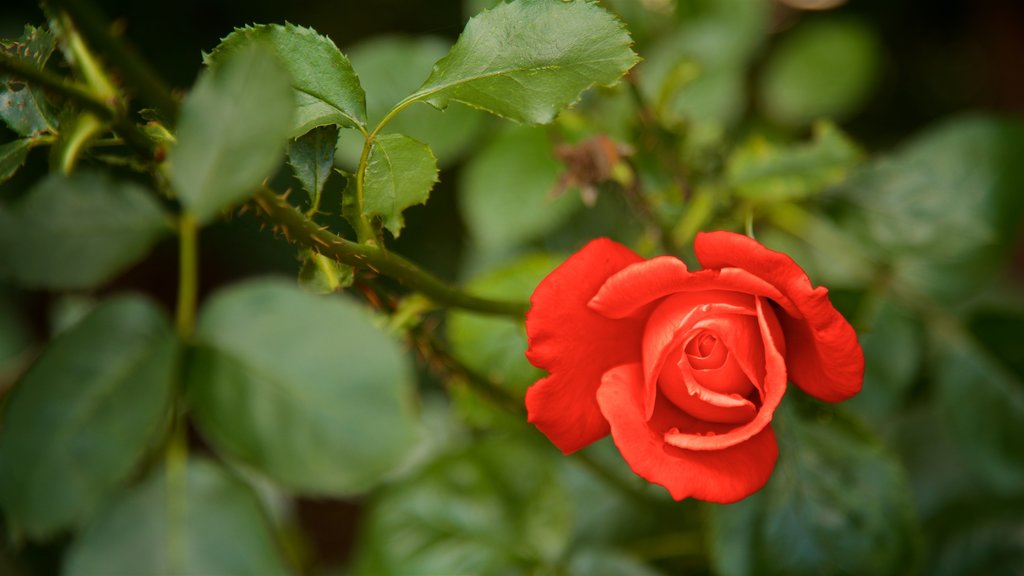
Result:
pixel 82 95
pixel 132 68
pixel 301 230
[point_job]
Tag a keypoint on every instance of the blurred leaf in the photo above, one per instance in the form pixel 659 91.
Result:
pixel 990 544
pixel 697 75
pixel 494 508
pixel 836 503
pixel 824 68
pixel 79 231
pixel 392 67
pixel 327 90
pixel 24 108
pixel 399 173
pixel 209 524
pixel 492 346
pixel 311 157
pixel 767 172
pixel 601 562
pixel 892 359
pixel 13 156
pixel 84 414
pixel 232 131
pixel 304 388
pixel 984 407
pixel 322 275
pixel 944 206
pixel 505 190
pixel 525 60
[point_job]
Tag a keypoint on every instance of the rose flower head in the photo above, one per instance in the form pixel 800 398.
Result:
pixel 684 368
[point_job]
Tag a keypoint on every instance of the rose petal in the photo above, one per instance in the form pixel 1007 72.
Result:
pixel 774 388
pixel 576 345
pixel 669 323
pixel 824 357
pixel 722 476
pixel 644 282
pixel 677 384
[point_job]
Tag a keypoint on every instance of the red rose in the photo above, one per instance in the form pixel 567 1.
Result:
pixel 685 369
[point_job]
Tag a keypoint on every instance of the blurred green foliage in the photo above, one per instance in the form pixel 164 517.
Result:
pixel 825 133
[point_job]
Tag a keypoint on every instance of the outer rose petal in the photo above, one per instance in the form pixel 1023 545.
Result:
pixel 823 356
pixel 722 476
pixel 577 345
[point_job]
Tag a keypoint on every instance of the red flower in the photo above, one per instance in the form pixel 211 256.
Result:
pixel 685 369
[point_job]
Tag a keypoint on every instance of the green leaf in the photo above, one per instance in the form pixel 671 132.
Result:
pixel 12 157
pixel 84 414
pixel 695 78
pixel 768 172
pixel 983 405
pixel 327 90
pixel 825 68
pixel 209 524
pixel 392 67
pixel 304 388
pixel 527 59
pixel 78 231
pixel 837 503
pixel 492 346
pixel 311 157
pixel 603 562
pixel 322 275
pixel 892 359
pixel 399 173
pixel 506 190
pixel 24 108
pixel 943 208
pixel 494 508
pixel 232 131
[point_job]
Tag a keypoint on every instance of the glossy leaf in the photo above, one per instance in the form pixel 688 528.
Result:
pixel 311 157
pixel 392 67
pixel 400 173
pixel 12 157
pixel 493 508
pixel 506 191
pixel 983 405
pixel 79 231
pixel 837 503
pixel 767 172
pixel 306 389
pixel 824 68
pixel 210 523
pixel 22 107
pixel 84 414
pixel 527 59
pixel 495 347
pixel 232 131
pixel 327 90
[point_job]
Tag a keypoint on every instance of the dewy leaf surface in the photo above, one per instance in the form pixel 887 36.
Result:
pixel 81 418
pixel 327 88
pixel 303 388
pixel 527 59
pixel 232 131
pixel 399 173
pixel 78 231
pixel 210 524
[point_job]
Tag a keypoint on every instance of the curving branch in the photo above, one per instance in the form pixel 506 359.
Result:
pixel 299 229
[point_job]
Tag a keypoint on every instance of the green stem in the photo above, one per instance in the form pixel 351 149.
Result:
pixel 83 96
pixel 301 230
pixel 97 32
pixel 188 236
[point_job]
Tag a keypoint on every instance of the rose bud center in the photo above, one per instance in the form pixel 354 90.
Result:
pixel 704 378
